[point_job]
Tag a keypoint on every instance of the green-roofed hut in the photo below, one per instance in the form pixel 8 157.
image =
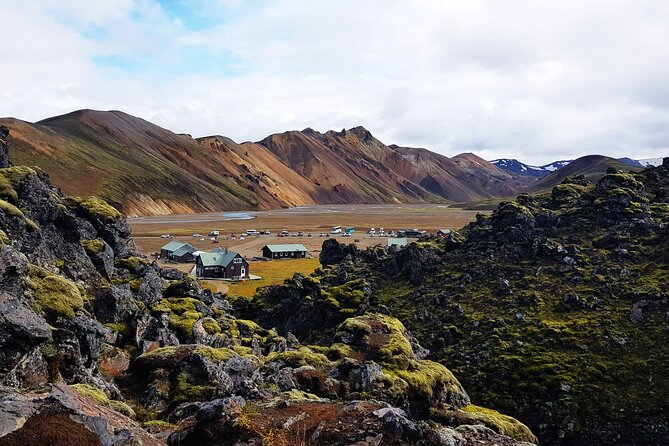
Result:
pixel 177 251
pixel 221 264
pixel 285 251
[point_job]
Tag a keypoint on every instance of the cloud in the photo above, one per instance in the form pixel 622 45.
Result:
pixel 517 78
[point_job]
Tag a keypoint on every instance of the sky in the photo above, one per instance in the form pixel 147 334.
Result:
pixel 533 80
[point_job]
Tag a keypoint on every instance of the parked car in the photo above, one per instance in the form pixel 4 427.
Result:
pixel 166 236
pixel 265 232
pixel 214 233
pixel 284 233
pixel 322 234
pixel 197 235
pixel 300 234
pixel 308 234
pixel 252 232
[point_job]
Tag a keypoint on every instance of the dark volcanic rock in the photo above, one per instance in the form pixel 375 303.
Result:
pixel 4 147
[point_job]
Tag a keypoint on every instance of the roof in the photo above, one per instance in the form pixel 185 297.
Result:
pixel 287 247
pixel 176 244
pixel 444 231
pixel 217 258
pixel 399 241
pixel 186 249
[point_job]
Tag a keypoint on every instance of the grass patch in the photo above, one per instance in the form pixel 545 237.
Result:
pixel 273 272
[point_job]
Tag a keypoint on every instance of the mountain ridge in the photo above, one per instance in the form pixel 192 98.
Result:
pixel 144 169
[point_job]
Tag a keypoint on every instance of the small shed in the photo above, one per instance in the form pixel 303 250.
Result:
pixel 397 241
pixel 444 232
pixel 224 264
pixel 285 251
pixel 177 251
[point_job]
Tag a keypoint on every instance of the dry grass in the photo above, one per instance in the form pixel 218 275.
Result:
pixel 273 272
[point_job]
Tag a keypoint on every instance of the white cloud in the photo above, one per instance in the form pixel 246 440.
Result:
pixel 517 78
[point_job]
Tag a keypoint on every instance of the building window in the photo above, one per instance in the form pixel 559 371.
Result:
pixel 237 260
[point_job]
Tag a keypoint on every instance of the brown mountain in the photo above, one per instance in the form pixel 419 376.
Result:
pixel 144 169
pixel 592 167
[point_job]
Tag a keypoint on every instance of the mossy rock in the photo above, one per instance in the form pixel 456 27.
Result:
pixel 13 211
pixel 97 395
pixel 377 337
pixel 183 314
pixel 132 263
pixel 53 294
pixel 93 207
pixel 430 383
pixel 500 423
pixel 4 238
pixel 191 388
pixel 216 355
pixel 211 326
pixel 93 247
pixel 299 358
pixel 10 178
pixel 163 357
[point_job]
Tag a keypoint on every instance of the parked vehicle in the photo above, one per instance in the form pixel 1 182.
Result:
pixel 300 234
pixel 335 230
pixel 252 232
pixel 413 233
pixel 322 234
pixel 265 232
pixel 372 232
pixel 197 235
pixel 308 234
pixel 285 233
pixel 166 236
pixel 350 230
pixel 214 233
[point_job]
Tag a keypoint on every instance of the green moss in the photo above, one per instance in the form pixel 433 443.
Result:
pixel 7 191
pixel 241 328
pixel 93 207
pixel 500 423
pixel 13 211
pixel 215 354
pixel 92 247
pixel 91 392
pixel 338 351
pixel 158 424
pixel 424 377
pixel 189 388
pixel 299 395
pixel 210 325
pixel 52 294
pixel 131 263
pixel 298 358
pixel 119 327
pixel 10 209
pixel 4 238
pixel 98 395
pixel 11 177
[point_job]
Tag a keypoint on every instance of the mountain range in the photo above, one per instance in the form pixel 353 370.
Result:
pixel 144 169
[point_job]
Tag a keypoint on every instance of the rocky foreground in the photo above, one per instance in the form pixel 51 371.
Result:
pixel 98 346
pixel 555 309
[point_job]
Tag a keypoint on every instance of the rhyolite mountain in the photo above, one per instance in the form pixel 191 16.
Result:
pixel 591 167
pixel 555 308
pixel 143 169
pixel 99 346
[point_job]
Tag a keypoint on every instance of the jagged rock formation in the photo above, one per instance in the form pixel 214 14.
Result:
pixel 92 335
pixel 554 309
pixel 4 147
